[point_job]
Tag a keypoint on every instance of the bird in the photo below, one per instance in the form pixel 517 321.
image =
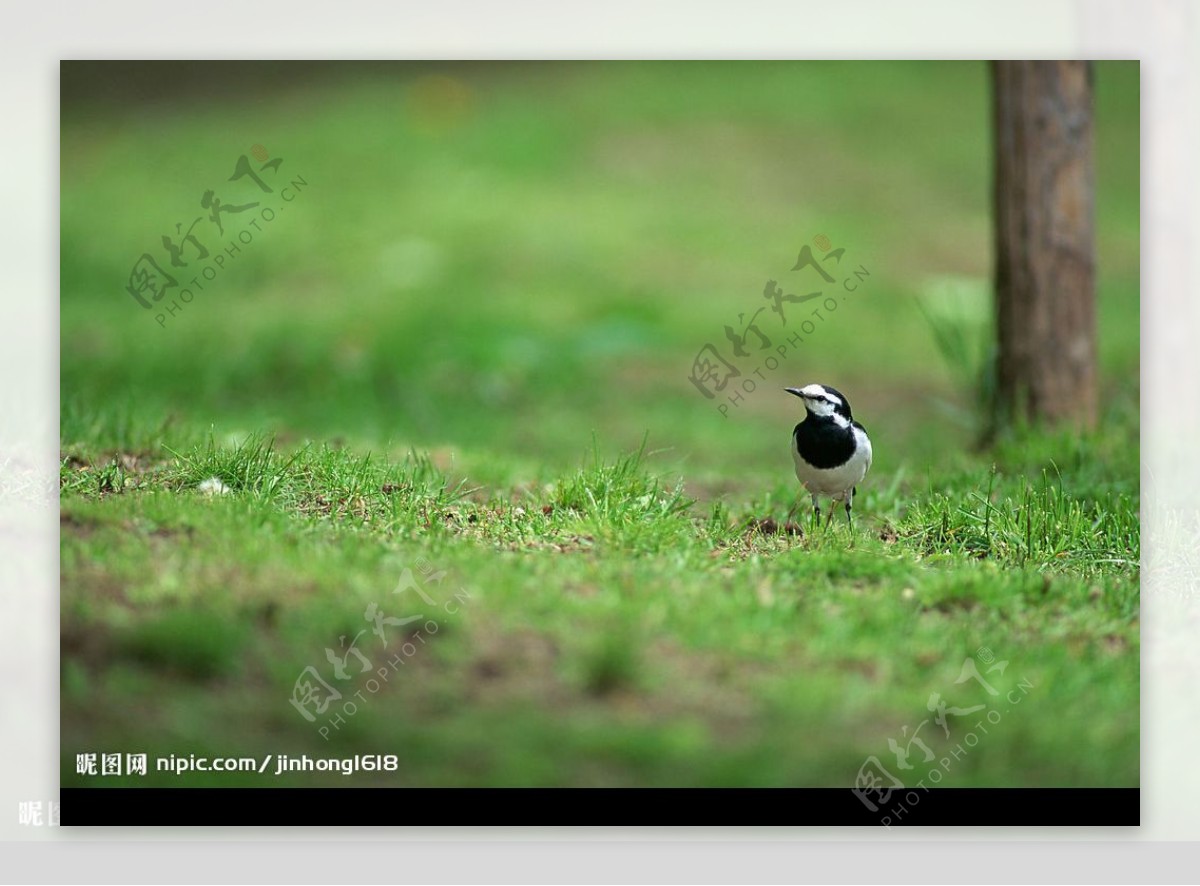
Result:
pixel 831 450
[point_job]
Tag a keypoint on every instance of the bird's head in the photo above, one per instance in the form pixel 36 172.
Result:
pixel 822 400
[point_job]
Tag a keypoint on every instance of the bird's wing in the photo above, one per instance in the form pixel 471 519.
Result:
pixel 866 444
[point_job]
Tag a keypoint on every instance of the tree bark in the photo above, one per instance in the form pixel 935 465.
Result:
pixel 1045 249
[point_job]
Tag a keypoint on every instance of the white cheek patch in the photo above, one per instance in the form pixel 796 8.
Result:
pixel 825 409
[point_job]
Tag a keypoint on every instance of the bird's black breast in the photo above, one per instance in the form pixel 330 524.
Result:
pixel 822 443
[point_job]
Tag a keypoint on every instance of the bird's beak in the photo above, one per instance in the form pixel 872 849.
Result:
pixel 795 391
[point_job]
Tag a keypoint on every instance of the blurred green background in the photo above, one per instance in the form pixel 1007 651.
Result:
pixel 501 259
pixel 504 265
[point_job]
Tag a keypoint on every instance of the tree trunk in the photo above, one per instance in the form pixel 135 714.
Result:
pixel 1045 251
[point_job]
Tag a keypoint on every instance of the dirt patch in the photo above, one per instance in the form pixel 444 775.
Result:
pixel 352 506
pixel 667 681
pixel 1115 644
pixel 136 469
pixel 520 664
pixel 80 527
pixel 90 647
pixel 862 667
pixel 72 461
pixel 570 544
pixel 769 526
pixel 953 604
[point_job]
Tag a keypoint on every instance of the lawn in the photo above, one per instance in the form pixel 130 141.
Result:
pixel 460 354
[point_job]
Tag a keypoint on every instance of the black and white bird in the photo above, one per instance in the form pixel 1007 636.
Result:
pixel 831 450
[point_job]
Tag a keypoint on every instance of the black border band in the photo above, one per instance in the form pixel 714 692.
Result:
pixel 364 807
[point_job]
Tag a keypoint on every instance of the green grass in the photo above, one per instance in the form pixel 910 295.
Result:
pixel 464 349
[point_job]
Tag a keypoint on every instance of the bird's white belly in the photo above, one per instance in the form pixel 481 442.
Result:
pixel 836 482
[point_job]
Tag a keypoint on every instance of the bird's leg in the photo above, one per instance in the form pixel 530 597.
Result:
pixel 849 521
pixel 816 508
